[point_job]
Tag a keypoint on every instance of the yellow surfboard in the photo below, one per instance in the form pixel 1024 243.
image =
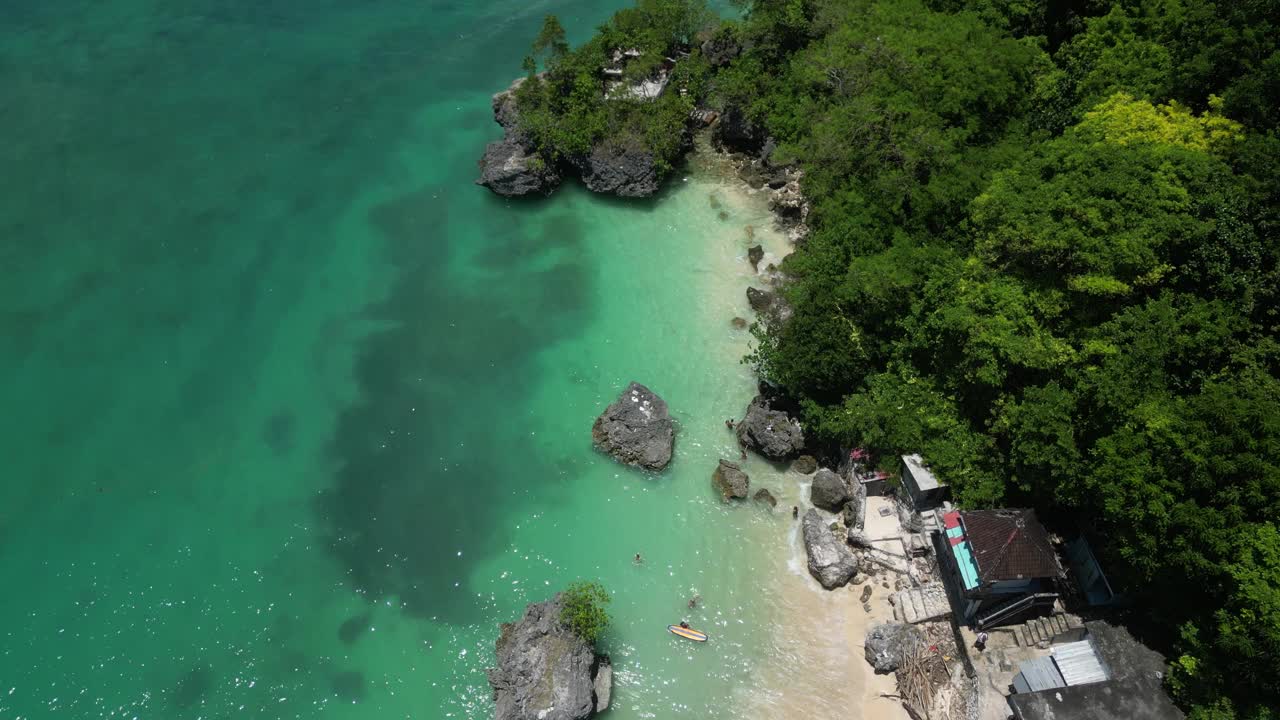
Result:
pixel 687 633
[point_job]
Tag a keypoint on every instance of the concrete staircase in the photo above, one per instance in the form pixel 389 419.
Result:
pixel 1042 630
pixel 920 604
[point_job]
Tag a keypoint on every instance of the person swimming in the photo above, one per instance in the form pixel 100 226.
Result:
pixel 684 624
pixel 639 559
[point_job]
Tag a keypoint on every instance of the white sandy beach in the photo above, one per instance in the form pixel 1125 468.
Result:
pixel 815 666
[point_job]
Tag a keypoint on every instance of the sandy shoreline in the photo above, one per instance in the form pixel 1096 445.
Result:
pixel 814 664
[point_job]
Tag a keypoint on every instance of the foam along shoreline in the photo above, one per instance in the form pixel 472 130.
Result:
pixel 814 664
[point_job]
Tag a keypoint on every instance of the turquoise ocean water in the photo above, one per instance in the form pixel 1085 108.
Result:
pixel 294 414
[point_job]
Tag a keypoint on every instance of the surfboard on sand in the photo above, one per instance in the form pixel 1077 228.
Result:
pixel 687 633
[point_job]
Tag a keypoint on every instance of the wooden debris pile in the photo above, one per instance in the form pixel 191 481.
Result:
pixel 927 674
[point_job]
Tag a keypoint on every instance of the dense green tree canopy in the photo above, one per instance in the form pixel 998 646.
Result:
pixel 1043 254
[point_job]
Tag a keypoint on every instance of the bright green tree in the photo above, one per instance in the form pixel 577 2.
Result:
pixel 583 609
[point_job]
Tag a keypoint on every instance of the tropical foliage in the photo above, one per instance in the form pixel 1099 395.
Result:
pixel 568 108
pixel 1044 255
pixel 583 609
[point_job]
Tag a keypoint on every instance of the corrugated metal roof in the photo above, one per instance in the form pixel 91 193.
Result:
pixel 1079 664
pixel 1009 544
pixel 1038 674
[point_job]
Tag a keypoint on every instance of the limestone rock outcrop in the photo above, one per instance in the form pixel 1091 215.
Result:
pixel 546 671
pixel 618 170
pixel 510 167
pixel 831 562
pixel 771 433
pixel 636 429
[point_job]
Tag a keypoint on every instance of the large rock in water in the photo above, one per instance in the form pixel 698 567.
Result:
pixel 547 671
pixel 509 166
pixel 887 644
pixel 765 497
pixel 618 170
pixel 509 171
pixel 730 481
pixel 828 491
pixel 636 429
pixel 771 433
pixel 831 562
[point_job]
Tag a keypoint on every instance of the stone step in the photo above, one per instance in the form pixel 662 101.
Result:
pixel 1061 622
pixel 936 603
pixel 1023 636
pixel 1047 629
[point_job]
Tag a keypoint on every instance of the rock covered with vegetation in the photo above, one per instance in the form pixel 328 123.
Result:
pixel 512 166
pixel 636 429
pixel 615 111
pixel 547 665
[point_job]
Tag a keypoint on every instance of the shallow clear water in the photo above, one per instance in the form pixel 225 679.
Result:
pixel 296 414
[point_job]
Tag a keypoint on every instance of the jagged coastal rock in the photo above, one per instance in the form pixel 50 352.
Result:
pixel 730 481
pixel 545 671
pixel 510 167
pixel 755 254
pixel 618 171
pixel 888 643
pixel 636 429
pixel 831 562
pixel 828 491
pixel 771 433
pixel 509 171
